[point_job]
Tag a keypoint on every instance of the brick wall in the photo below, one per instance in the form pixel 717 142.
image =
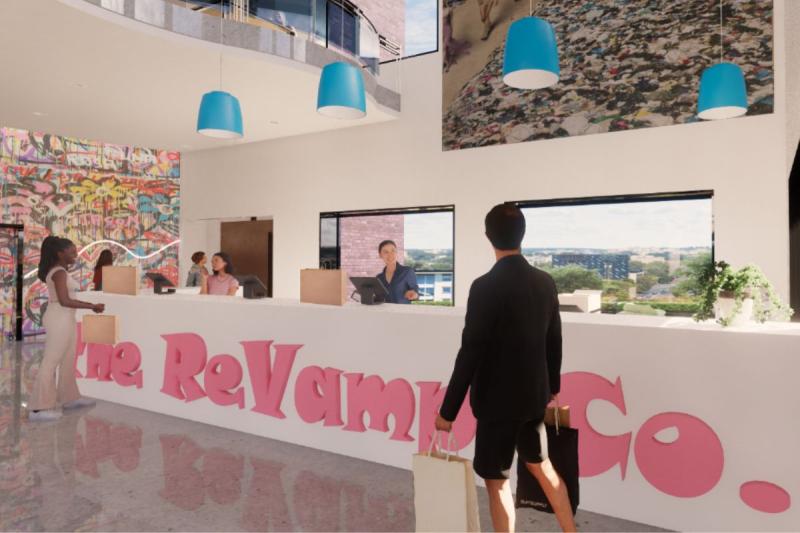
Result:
pixel 360 236
pixel 388 16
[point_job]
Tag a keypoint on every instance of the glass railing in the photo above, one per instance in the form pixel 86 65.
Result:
pixel 337 24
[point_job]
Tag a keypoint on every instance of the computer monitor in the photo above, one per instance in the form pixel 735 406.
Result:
pixel 159 282
pixel 252 287
pixel 371 290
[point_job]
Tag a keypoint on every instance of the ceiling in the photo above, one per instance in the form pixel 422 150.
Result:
pixel 68 72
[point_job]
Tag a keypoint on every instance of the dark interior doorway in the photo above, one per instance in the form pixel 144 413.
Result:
pixel 794 235
pixel 249 244
pixel 11 256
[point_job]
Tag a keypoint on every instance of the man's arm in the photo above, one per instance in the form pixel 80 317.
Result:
pixel 554 347
pixel 475 340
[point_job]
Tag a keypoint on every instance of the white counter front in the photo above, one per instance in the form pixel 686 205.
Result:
pixel 690 419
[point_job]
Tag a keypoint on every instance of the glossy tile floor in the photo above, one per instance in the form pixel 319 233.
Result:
pixel 114 468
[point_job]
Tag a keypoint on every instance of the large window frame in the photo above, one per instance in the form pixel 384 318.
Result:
pixel 334 261
pixel 627 199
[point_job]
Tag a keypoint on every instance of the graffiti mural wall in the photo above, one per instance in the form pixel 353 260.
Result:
pixel 624 65
pixel 126 197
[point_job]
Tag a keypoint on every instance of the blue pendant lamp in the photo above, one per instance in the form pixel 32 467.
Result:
pixel 531 56
pixel 341 92
pixel 220 116
pixel 723 92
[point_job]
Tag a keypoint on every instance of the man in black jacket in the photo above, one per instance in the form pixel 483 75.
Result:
pixel 510 360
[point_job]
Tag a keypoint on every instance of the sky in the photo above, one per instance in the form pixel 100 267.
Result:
pixel 429 231
pixel 668 224
pixel 421 26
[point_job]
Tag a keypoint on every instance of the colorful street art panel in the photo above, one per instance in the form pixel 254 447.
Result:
pixel 154 163
pixel 42 148
pixel 624 65
pixel 81 153
pixel 115 157
pixel 95 194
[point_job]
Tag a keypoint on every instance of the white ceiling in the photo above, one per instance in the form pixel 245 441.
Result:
pixel 67 72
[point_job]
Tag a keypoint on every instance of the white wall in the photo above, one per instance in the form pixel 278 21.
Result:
pixel 198 235
pixel 401 163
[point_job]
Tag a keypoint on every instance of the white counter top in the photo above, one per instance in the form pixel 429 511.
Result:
pixel 600 319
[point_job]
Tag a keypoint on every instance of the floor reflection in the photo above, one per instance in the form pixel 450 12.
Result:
pixel 113 467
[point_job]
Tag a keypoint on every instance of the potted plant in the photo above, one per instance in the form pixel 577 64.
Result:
pixel 736 297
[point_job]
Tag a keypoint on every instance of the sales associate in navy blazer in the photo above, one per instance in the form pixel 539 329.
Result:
pixel 399 280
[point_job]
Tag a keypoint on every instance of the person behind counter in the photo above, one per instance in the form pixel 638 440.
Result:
pixel 222 282
pixel 399 280
pixel 105 259
pixel 57 255
pixel 198 270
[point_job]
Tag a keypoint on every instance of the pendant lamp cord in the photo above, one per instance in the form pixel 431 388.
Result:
pixel 721 41
pixel 221 20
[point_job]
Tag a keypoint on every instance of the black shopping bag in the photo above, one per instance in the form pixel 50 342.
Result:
pixel 562 447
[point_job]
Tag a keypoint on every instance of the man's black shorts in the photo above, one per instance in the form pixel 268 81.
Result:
pixel 496 440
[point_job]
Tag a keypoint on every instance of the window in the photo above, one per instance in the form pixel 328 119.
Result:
pixel 342 28
pixel 638 254
pixel 422 27
pixel 424 236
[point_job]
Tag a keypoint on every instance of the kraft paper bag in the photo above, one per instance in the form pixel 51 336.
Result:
pixel 100 329
pixel 445 497
pixel 121 280
pixel 328 287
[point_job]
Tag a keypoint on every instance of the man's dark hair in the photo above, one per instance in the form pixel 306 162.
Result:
pixel 386 243
pixel 197 256
pixel 505 226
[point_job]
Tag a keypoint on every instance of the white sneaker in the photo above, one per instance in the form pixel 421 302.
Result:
pixel 44 415
pixel 80 402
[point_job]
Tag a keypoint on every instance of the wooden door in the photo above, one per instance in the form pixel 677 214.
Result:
pixel 249 245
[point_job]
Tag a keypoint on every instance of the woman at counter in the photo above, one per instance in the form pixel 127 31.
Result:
pixel 105 259
pixel 400 281
pixel 222 282
pixel 198 270
pixel 50 392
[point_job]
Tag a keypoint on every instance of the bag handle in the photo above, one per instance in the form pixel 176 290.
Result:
pixel 450 444
pixel 555 417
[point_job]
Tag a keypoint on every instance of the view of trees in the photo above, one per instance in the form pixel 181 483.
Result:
pixel 430 260
pixel 679 297
pixel 573 277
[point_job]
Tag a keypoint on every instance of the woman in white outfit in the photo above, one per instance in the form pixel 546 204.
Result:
pixel 57 255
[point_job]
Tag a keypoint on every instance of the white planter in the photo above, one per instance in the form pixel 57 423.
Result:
pixel 725 306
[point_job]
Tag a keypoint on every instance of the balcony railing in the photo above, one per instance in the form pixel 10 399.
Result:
pixel 337 24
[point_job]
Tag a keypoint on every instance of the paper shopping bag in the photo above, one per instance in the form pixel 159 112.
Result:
pixel 100 329
pixel 562 449
pixel 445 497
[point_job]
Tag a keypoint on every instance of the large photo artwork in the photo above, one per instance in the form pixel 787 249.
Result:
pixel 123 198
pixel 625 64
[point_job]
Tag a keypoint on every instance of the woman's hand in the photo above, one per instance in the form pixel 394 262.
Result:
pixel 411 295
pixel 98 308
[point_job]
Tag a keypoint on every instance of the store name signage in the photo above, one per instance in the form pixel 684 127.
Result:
pixel 189 375
pixel 687 464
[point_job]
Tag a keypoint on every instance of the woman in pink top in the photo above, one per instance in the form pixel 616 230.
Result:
pixel 222 281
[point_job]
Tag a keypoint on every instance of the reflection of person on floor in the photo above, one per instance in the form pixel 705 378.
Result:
pixel 54 463
pixel 452 47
